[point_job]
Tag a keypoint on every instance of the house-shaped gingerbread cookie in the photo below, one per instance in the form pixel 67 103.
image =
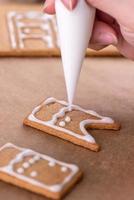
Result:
pixel 71 123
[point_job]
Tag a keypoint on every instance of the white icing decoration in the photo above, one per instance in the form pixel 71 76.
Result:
pixel 63 169
pixel 33 174
pixel 36 158
pixel 31 161
pixel 67 119
pixel 24 29
pixel 26 165
pixel 27 31
pixel 11 29
pixel 8 169
pixel 62 124
pixel 86 135
pixel 20 170
pixel 51 164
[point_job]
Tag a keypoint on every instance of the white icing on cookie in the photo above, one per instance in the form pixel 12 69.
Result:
pixel 63 169
pixel 11 29
pixel 36 158
pixel 67 119
pixel 52 123
pixel 27 152
pixel 26 165
pixel 62 124
pixel 27 31
pixel 51 164
pixel 33 174
pixel 20 170
pixel 24 30
pixel 31 161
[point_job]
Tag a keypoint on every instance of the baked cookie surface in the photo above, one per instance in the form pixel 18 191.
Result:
pixel 70 123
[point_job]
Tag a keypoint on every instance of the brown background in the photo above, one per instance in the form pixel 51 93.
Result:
pixel 106 85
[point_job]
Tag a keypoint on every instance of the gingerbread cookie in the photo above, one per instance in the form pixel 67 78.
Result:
pixel 26 31
pixel 69 123
pixel 37 172
pixel 32 30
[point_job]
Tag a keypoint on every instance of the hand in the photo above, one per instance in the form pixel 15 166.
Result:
pixel 114 23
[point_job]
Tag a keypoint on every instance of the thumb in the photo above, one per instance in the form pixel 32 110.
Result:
pixel 120 10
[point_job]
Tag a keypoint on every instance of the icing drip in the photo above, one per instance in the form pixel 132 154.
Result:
pixel 24 30
pixel 52 123
pixel 26 152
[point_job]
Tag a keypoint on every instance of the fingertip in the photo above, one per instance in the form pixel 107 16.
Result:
pixel 103 34
pixel 49 10
pixel 96 47
pixel 49 7
pixel 70 4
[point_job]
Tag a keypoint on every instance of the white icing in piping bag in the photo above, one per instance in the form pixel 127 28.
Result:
pixel 75 29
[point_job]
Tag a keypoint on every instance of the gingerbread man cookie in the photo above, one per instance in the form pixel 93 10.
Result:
pixel 70 123
pixel 37 172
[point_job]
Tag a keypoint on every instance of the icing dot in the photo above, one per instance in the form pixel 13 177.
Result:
pixel 20 170
pixel 36 158
pixel 51 164
pixel 62 124
pixel 26 165
pixel 27 30
pixel 33 174
pixel 31 161
pixel 67 119
pixel 63 169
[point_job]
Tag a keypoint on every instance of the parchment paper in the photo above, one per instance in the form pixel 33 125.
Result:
pixel 107 86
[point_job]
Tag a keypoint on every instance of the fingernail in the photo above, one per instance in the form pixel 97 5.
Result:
pixel 46 5
pixel 70 4
pixel 107 39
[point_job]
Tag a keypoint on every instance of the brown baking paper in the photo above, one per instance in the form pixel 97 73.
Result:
pixel 106 86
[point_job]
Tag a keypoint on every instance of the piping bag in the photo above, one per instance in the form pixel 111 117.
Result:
pixel 75 29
